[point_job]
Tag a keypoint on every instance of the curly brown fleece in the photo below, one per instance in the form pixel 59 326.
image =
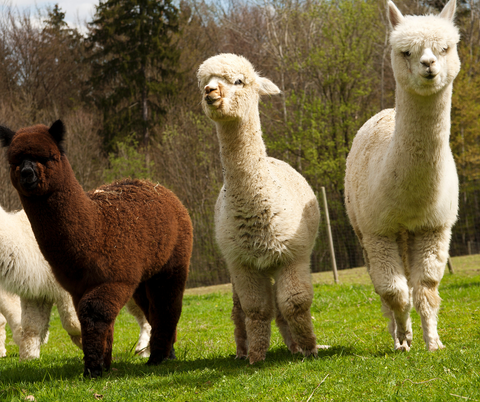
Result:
pixel 132 237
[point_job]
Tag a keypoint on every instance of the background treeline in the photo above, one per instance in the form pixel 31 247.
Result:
pixel 126 88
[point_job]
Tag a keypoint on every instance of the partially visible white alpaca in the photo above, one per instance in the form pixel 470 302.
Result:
pixel 10 312
pixel 27 280
pixel 401 184
pixel 266 216
pixel 143 345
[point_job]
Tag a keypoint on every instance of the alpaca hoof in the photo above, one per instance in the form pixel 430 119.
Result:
pixel 242 352
pixel 255 359
pixel 77 340
pixel 93 372
pixel 402 347
pixel 433 346
pixel 23 355
pixel 172 356
pixel 311 352
pixel 144 352
pixel 294 348
pixel 243 357
pixel 154 361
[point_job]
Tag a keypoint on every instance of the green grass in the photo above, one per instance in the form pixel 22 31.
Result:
pixel 360 365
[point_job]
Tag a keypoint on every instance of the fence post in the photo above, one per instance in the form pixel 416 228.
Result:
pixel 450 265
pixel 330 238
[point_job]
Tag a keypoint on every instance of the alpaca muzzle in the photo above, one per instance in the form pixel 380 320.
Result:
pixel 28 175
pixel 212 93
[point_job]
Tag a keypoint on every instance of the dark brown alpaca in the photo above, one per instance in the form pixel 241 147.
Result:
pixel 128 238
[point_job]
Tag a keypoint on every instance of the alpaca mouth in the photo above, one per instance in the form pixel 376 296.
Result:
pixel 430 76
pixel 210 100
pixel 29 185
pixel 28 176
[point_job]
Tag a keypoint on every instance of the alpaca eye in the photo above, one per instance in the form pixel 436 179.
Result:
pixel 238 82
pixel 444 50
pixel 407 53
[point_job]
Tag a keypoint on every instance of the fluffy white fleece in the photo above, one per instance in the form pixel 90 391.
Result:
pixel 266 216
pixel 401 184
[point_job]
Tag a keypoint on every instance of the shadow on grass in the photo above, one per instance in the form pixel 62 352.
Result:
pixel 185 371
pixel 28 372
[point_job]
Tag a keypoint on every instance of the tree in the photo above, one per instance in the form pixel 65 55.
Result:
pixel 329 91
pixel 134 64
pixel 40 66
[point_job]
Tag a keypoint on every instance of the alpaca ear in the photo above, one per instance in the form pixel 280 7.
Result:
pixel 57 131
pixel 267 87
pixel 448 11
pixel 394 15
pixel 6 136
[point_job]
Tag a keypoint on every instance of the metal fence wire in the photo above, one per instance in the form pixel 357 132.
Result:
pixel 348 252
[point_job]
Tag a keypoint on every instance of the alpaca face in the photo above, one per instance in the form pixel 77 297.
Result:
pixel 424 50
pixel 426 67
pixel 34 155
pixel 230 87
pixel 223 101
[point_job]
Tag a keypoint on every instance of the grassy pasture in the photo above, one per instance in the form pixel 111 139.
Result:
pixel 360 365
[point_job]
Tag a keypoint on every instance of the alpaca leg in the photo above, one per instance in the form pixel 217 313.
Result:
pixel 388 277
pixel 69 318
pixel 294 298
pixel 143 347
pixel 35 319
pixel 107 362
pixel 97 311
pixel 3 335
pixel 240 332
pixel 428 257
pixel 11 311
pixel 255 293
pixel 392 327
pixel 283 327
pixel 165 295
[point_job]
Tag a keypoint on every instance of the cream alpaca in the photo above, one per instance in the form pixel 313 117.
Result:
pixel 10 312
pixel 30 289
pixel 401 184
pixel 266 216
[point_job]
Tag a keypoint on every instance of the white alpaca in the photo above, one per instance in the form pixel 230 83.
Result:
pixel 401 184
pixel 10 312
pixel 30 289
pixel 266 216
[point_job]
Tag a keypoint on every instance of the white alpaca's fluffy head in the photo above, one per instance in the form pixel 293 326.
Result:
pixel 231 87
pixel 424 49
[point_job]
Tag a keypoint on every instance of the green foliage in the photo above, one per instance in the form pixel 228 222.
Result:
pixel 188 160
pixel 360 364
pixel 465 133
pixel 56 19
pixel 134 64
pixel 323 115
pixel 332 92
pixel 127 161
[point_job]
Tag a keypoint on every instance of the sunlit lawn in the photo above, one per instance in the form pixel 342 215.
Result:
pixel 360 365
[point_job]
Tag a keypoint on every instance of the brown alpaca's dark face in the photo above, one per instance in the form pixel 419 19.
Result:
pixel 34 156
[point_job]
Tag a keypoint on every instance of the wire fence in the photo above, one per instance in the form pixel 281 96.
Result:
pixel 348 252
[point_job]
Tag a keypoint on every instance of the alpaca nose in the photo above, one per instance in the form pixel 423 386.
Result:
pixel 210 88
pixel 428 58
pixel 27 172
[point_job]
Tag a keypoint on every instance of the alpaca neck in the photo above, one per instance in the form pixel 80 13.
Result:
pixel 242 150
pixel 422 124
